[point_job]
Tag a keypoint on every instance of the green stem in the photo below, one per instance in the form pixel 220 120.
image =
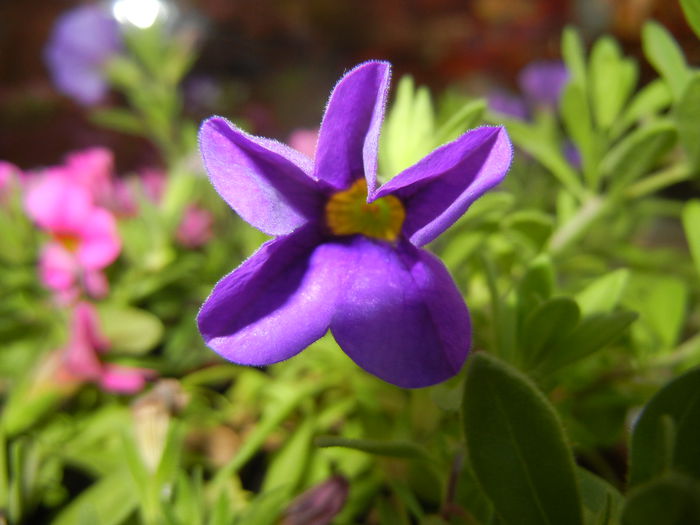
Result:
pixel 4 474
pixel 586 215
pixel 658 181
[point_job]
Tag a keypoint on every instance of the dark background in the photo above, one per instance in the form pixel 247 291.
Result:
pixel 273 62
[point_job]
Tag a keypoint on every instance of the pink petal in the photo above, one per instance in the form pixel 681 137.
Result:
pixel 58 205
pixel 99 240
pixel 124 380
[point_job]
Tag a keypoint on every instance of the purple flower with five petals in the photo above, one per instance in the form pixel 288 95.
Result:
pixel 83 40
pixel 347 256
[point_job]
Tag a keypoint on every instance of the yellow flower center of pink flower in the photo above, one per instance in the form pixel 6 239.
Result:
pixel 349 213
pixel 69 242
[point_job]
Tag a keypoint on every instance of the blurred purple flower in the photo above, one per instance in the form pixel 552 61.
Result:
pixel 347 256
pixel 542 82
pixel 82 41
pixel 509 105
pixel 318 505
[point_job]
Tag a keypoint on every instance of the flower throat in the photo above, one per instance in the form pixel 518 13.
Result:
pixel 349 213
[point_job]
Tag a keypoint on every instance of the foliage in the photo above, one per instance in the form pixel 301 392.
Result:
pixel 582 281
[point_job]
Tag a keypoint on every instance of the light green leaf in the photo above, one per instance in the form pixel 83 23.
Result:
pixel 532 140
pixel 691 9
pixel 603 294
pixel 638 153
pixel 465 118
pixel 288 465
pixel 612 80
pixel 648 102
pixel 574 55
pixel 664 53
pixel 108 501
pixel 129 330
pixel 119 120
pixel 686 115
pixel 671 500
pixel 517 447
pixel 679 401
pixel 691 225
pixel 576 115
pixel 396 449
pixel 409 129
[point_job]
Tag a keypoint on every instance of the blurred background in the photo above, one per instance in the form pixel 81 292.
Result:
pixel 255 56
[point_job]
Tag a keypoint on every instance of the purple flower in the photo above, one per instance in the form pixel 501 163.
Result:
pixel 82 41
pixel 348 254
pixel 543 81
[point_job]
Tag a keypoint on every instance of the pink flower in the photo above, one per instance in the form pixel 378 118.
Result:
pixel 195 228
pixel 92 168
pixel 304 140
pixel 81 357
pixel 84 237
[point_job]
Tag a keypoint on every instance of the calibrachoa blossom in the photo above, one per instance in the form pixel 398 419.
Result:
pixel 84 237
pixel 541 83
pixel 195 228
pixel 81 357
pixel 81 43
pixel 347 256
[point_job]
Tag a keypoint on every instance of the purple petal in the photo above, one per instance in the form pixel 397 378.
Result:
pixel 400 315
pixel 264 181
pixel 349 137
pixel 438 189
pixel 275 304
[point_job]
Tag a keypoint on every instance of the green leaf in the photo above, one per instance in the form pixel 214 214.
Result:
pixel 603 294
pixel 612 80
pixel 288 466
pixel 691 9
pixel 679 401
pixel 129 330
pixel 108 501
pixel 395 449
pixel 465 118
pixel 408 133
pixel 691 225
pixel 671 500
pixel 517 447
pixel 686 115
pixel 592 334
pixel 601 501
pixel 577 119
pixel 537 284
pixel 661 302
pixel 664 53
pixel 119 120
pixel 574 55
pixel 648 102
pixel 552 321
pixel 638 153
pixel 540 146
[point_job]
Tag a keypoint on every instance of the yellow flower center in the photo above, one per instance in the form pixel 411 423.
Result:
pixel 69 242
pixel 349 213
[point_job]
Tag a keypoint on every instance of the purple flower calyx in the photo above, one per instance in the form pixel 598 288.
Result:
pixel 349 213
